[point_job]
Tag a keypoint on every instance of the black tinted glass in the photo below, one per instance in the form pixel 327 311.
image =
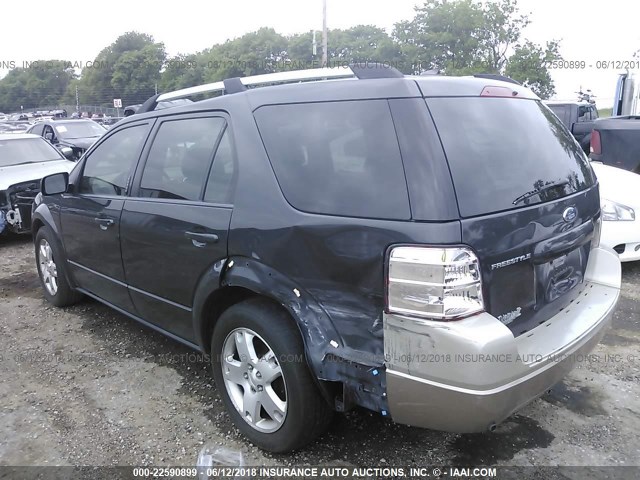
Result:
pixel 107 169
pixel 505 153
pixel 180 157
pixel 223 173
pixel 339 158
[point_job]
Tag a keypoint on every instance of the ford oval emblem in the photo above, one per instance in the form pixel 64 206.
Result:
pixel 570 214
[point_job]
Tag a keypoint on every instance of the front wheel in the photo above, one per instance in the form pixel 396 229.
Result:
pixel 261 374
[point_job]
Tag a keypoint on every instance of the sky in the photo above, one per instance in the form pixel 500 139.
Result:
pixel 77 30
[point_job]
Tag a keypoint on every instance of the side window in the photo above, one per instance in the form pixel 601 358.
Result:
pixel 180 158
pixel 223 173
pixel 107 169
pixel 48 133
pixel 337 158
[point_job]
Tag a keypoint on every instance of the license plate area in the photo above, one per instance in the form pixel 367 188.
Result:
pixel 560 275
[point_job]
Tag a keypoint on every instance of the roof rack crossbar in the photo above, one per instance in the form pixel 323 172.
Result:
pixel 279 77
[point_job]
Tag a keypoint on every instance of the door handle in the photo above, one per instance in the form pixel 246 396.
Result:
pixel 104 222
pixel 201 239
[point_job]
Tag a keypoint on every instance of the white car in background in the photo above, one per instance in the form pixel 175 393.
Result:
pixel 620 201
pixel 24 160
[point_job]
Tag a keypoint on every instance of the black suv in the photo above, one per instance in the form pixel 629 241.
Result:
pixel 425 247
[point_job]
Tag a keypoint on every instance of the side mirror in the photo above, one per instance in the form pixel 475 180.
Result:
pixel 55 184
pixel 48 136
pixel 67 152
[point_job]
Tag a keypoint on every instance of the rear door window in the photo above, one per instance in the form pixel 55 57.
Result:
pixel 507 153
pixel 337 158
pixel 180 158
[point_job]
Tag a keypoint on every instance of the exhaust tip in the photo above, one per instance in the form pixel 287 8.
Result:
pixel 492 427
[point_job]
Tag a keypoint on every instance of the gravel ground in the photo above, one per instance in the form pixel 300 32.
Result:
pixel 88 386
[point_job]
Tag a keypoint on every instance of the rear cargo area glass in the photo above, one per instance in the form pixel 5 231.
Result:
pixel 507 153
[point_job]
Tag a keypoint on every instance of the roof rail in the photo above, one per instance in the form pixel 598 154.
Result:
pixel 235 85
pixel 269 78
pixel 495 76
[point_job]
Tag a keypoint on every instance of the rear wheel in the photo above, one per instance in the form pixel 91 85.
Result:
pixel 262 376
pixel 52 271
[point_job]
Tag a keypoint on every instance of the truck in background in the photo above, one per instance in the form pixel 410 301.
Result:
pixel 615 141
pixel 578 117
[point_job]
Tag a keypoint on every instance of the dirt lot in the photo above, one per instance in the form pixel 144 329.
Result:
pixel 88 386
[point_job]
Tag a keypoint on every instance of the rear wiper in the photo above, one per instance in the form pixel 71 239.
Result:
pixel 548 186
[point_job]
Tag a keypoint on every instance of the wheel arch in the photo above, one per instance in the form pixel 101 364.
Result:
pixel 240 278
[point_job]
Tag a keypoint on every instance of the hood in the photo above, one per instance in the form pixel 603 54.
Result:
pixel 83 143
pixel 618 185
pixel 32 171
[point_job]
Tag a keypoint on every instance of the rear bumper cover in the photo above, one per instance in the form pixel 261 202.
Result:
pixel 468 375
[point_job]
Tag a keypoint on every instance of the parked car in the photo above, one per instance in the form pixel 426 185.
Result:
pixel 24 160
pixel 578 117
pixel 619 201
pixel 78 135
pixel 377 242
pixel 108 122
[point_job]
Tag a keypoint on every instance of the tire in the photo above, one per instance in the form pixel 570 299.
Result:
pixel 586 144
pixel 269 328
pixel 52 270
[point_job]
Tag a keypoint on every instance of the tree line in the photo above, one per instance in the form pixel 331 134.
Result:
pixel 455 37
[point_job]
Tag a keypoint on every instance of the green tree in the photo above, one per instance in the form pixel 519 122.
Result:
pixel 469 36
pixel 128 68
pixel 443 35
pixel 502 28
pixel 528 64
pixel 42 83
pixel 362 43
pixel 181 71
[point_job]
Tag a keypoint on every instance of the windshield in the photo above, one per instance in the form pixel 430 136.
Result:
pixel 72 130
pixel 27 150
pixel 507 153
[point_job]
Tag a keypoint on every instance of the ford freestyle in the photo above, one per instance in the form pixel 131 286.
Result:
pixel 424 247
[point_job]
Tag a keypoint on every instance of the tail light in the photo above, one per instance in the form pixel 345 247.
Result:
pixel 495 91
pixel 434 282
pixel 596 145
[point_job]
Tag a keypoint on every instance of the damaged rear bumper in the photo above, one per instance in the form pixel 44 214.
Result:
pixel 469 375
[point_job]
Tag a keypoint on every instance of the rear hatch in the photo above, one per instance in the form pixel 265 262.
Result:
pixel 528 202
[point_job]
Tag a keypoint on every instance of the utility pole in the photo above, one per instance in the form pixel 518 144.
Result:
pixel 314 45
pixel 324 34
pixel 77 100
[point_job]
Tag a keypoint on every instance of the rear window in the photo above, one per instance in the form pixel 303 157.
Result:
pixel 507 153
pixel 337 158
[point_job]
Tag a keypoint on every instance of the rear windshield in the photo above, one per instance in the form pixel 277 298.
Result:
pixel 507 153
pixel 337 158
